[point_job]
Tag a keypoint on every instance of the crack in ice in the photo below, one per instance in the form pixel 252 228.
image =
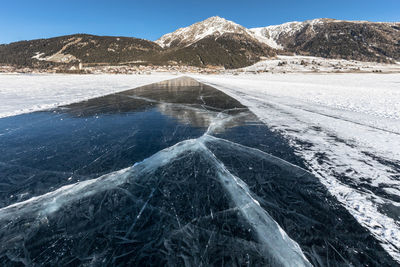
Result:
pixel 281 248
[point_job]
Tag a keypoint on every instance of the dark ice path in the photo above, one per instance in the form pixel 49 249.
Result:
pixel 210 185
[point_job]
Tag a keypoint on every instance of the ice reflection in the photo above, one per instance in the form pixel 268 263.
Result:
pixel 184 99
pixel 189 92
pixel 188 115
pixel 173 84
pixel 218 122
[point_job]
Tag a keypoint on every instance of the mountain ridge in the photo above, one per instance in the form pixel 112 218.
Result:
pixel 216 42
pixel 337 39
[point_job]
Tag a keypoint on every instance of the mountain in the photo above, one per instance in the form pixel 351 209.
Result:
pixel 214 41
pixel 83 48
pixel 214 26
pixel 329 38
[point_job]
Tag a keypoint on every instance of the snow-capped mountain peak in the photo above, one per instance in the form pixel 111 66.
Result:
pixel 271 34
pixel 339 38
pixel 213 26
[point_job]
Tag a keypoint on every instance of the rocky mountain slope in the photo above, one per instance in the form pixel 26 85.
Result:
pixel 83 48
pixel 356 40
pixel 215 42
pixel 214 26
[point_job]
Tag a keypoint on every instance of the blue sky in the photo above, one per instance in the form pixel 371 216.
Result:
pixel 31 19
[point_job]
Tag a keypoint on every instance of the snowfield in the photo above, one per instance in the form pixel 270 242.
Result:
pixel 27 93
pixel 345 126
pixel 307 64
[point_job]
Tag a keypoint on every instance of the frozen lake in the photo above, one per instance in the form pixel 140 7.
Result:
pixel 173 173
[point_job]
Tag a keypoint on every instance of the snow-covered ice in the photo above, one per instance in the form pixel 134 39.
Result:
pixel 346 127
pixel 27 93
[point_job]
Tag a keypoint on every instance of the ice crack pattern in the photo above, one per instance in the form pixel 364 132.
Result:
pixel 174 173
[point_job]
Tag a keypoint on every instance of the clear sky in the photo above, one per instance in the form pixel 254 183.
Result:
pixel 31 19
